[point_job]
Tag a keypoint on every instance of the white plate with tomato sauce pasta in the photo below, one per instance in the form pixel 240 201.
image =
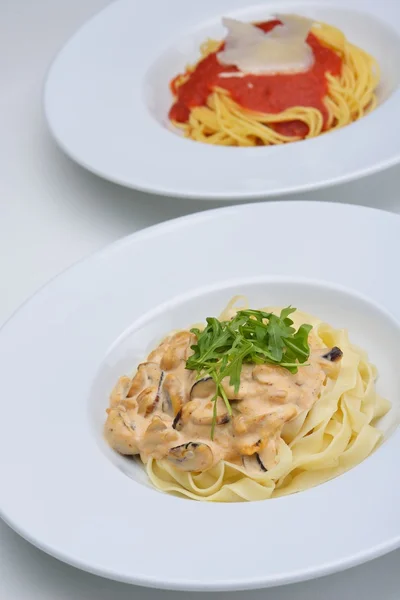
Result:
pixel 165 436
pixel 229 99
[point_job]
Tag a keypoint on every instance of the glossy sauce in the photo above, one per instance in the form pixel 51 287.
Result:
pixel 261 93
pixel 165 412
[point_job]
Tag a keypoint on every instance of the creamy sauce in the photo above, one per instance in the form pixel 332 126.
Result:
pixel 165 412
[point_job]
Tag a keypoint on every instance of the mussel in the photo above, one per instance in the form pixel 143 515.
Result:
pixel 184 414
pixel 120 391
pixel 146 386
pixel 157 438
pixel 253 464
pixel 193 456
pixel 176 422
pixel 176 350
pixel 253 432
pixel 333 355
pixel 207 419
pixel 203 388
pixel 171 393
pixel 119 431
pixel 148 374
pixel 147 401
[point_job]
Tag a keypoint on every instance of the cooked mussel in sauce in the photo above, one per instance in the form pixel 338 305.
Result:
pixel 165 411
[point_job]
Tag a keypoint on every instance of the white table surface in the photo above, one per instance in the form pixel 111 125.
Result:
pixel 52 213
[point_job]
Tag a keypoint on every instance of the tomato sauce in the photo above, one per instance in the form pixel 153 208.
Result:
pixel 261 93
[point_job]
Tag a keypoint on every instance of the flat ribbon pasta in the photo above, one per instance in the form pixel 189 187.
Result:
pixel 336 434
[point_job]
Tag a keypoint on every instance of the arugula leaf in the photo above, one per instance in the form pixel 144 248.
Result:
pixel 298 343
pixel 252 336
pixel 278 333
pixel 285 312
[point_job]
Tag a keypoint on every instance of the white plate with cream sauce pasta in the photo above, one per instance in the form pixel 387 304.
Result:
pixel 144 95
pixel 273 425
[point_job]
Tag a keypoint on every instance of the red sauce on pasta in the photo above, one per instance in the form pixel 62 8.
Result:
pixel 261 93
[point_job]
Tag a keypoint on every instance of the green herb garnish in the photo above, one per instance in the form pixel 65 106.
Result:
pixel 252 336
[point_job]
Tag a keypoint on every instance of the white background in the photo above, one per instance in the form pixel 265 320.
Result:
pixel 52 213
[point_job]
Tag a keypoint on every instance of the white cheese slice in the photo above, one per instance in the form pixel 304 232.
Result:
pixel 282 50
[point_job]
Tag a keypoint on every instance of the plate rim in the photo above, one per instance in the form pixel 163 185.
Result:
pixel 361 558
pixel 145 231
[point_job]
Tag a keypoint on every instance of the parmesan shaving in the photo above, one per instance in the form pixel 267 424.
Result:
pixel 282 50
